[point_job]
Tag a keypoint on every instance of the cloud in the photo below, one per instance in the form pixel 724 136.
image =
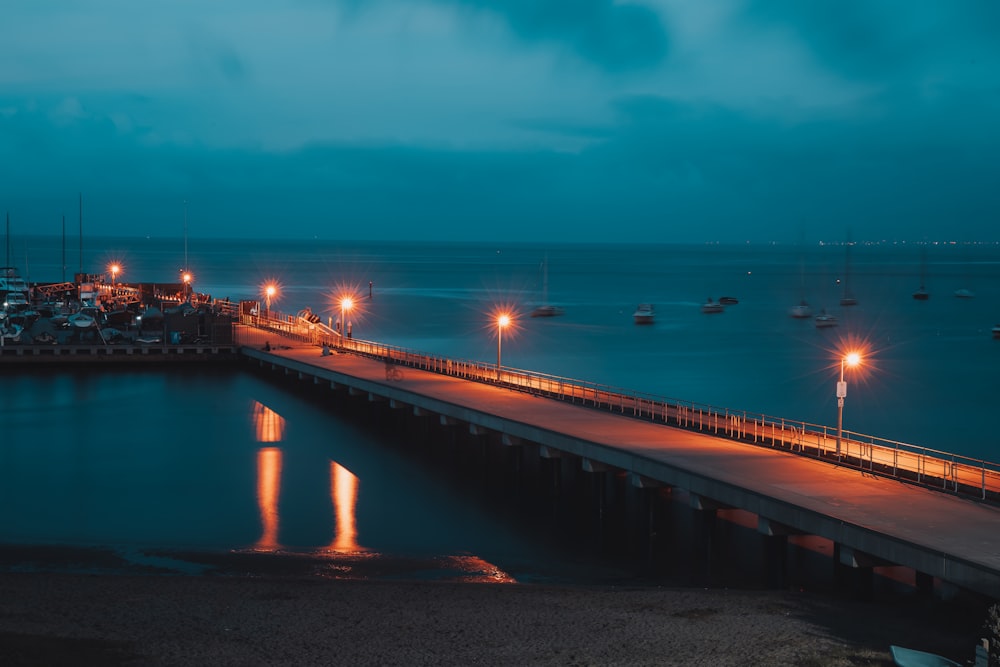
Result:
pixel 878 40
pixel 615 36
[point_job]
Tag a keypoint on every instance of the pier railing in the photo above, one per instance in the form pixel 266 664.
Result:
pixel 923 466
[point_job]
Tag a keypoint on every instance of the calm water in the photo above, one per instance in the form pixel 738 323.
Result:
pixel 186 454
pixel 214 460
pixel 930 379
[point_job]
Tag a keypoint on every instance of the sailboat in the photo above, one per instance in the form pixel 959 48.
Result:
pixel 546 309
pixel 962 292
pixel 802 310
pixel 847 298
pixel 922 294
pixel 14 289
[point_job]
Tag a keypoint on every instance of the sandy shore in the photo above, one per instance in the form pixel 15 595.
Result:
pixel 79 619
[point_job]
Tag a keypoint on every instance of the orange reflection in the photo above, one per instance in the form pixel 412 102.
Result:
pixel 268 424
pixel 344 493
pixel 268 490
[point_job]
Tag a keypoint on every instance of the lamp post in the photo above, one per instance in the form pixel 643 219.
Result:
pixel 269 292
pixel 851 360
pixel 345 306
pixel 114 274
pixel 186 277
pixel 502 322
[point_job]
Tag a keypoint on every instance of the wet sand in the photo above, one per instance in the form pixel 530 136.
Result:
pixel 294 619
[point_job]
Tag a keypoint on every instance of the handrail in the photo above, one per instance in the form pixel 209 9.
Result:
pixel 924 466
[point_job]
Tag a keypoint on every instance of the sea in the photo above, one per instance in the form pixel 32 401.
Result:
pixel 120 457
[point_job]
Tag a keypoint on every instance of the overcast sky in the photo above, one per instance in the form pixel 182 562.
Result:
pixel 534 120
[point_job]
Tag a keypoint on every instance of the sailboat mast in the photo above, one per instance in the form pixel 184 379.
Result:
pixel 185 235
pixel 81 232
pixel 64 248
pixel 7 263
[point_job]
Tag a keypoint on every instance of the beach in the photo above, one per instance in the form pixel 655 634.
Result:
pixel 252 619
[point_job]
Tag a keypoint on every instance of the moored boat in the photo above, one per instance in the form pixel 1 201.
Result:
pixel 14 289
pixel 801 311
pixel 824 320
pixel 546 309
pixel 728 300
pixel 644 314
pixel 82 320
pixel 711 306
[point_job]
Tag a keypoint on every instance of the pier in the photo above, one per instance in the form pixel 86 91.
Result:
pixel 877 506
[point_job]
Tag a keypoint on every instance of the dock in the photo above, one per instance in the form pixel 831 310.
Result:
pixel 871 520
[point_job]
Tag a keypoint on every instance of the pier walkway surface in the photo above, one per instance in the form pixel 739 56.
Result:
pixel 871 519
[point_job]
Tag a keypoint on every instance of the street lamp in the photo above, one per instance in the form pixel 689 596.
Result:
pixel 186 277
pixel 114 274
pixel 345 306
pixel 849 360
pixel 502 322
pixel 269 292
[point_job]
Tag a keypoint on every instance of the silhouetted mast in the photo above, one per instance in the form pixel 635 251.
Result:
pixel 81 232
pixel 64 247
pixel 185 235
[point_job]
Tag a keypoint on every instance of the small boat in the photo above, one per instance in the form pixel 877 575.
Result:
pixel 824 320
pixel 546 311
pixel 711 306
pixel 10 332
pixel 964 293
pixel 729 300
pixel 996 332
pixel 801 311
pixel 643 314
pixel 908 657
pixel 81 320
pixel 45 338
pixel 111 335
pixel 922 294
pixel 847 299
pixel 13 288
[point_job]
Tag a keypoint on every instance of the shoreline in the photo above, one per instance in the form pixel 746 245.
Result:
pixel 81 605
pixel 265 619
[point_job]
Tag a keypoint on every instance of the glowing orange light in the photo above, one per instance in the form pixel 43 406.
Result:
pixel 346 303
pixel 503 320
pixel 268 424
pixel 186 277
pixel 852 359
pixel 271 290
pixel 268 491
pixel 344 494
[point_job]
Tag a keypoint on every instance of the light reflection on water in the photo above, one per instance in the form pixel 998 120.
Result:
pixel 154 461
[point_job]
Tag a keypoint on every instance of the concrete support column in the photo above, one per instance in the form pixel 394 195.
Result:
pixel 854 571
pixel 924 584
pixel 774 552
pixel 703 540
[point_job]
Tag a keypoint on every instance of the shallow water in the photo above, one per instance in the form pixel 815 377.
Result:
pixel 159 465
